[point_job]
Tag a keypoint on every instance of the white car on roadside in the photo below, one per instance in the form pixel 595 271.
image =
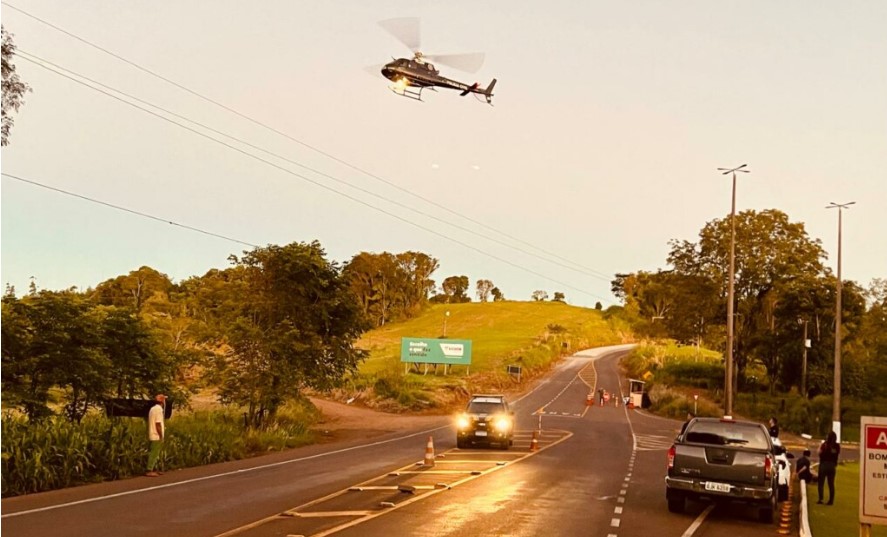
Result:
pixel 785 468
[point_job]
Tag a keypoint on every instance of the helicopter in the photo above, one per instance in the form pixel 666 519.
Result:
pixel 412 75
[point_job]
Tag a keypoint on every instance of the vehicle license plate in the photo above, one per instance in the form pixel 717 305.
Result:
pixel 480 433
pixel 717 487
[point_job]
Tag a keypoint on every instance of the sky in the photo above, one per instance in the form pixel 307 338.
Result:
pixel 608 125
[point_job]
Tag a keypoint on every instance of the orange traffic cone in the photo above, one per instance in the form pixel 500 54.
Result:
pixel 534 443
pixel 589 399
pixel 429 452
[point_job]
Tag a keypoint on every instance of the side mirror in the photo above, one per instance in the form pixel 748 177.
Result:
pixel 778 450
pixel 790 455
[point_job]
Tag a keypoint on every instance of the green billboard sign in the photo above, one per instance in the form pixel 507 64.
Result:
pixel 435 351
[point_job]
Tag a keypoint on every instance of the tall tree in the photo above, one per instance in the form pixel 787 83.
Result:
pixel 455 289
pixel 770 251
pixel 484 287
pixel 498 296
pixel 294 327
pixel 13 88
pixel 134 289
pixel 539 295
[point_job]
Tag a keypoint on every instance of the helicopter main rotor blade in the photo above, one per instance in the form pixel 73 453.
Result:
pixel 405 29
pixel 374 70
pixel 470 62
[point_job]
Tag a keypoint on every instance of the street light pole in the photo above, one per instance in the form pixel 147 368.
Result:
pixel 728 366
pixel 836 400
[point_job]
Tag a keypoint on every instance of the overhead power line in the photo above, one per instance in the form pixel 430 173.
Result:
pixel 127 210
pixel 312 181
pixel 575 266
pixel 34 59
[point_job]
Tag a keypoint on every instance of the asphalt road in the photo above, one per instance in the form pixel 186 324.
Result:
pixel 597 471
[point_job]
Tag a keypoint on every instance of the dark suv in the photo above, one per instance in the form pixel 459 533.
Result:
pixel 488 420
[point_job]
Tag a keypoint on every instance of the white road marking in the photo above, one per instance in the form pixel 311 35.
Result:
pixel 618 510
pixel 614 522
pixel 698 522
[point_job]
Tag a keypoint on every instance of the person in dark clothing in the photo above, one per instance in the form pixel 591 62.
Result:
pixel 802 467
pixel 828 463
pixel 774 428
pixel 690 416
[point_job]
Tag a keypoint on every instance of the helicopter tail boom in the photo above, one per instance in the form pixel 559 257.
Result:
pixel 488 92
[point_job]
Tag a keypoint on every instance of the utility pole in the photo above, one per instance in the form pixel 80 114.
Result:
pixel 836 401
pixel 804 362
pixel 728 366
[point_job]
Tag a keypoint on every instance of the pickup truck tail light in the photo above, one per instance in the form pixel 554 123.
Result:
pixel 768 468
pixel 671 453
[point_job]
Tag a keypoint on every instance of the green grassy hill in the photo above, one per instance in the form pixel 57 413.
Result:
pixel 530 334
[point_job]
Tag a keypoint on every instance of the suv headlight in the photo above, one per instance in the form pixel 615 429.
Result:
pixel 462 422
pixel 502 424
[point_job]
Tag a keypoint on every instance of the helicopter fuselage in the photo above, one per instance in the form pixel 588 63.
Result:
pixel 408 74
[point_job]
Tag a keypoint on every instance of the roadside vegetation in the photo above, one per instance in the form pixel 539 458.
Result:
pixel 783 292
pixel 531 335
pixel 280 324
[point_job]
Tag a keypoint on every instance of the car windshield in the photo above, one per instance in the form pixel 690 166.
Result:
pixel 727 433
pixel 485 407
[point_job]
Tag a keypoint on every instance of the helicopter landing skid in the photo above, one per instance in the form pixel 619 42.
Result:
pixel 407 92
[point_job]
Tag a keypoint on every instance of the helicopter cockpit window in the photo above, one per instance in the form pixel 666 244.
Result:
pixel 429 66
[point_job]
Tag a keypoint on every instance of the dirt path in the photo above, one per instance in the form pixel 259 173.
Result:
pixel 348 422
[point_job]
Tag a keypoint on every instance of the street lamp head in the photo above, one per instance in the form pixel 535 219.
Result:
pixel 447 314
pixel 733 170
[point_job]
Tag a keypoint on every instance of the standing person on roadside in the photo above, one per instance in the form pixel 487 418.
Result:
pixel 828 463
pixel 156 433
pixel 690 416
pixel 774 428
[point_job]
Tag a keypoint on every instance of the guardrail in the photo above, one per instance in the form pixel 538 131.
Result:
pixel 804 516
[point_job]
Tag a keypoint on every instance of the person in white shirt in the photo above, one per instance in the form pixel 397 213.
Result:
pixel 155 434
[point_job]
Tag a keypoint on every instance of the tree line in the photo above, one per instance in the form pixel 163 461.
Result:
pixel 782 288
pixel 277 321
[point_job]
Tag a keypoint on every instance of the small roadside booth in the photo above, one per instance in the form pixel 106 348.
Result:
pixel 635 393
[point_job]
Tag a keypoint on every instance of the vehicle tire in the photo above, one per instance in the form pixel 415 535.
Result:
pixel 505 445
pixel 675 502
pixel 461 443
pixel 783 493
pixel 767 512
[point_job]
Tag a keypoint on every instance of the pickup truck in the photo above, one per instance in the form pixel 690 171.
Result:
pixel 723 460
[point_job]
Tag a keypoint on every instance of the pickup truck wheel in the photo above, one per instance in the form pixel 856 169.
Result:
pixel 676 503
pixel 461 444
pixel 767 512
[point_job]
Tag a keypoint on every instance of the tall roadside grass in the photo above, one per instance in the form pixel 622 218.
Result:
pixel 55 453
